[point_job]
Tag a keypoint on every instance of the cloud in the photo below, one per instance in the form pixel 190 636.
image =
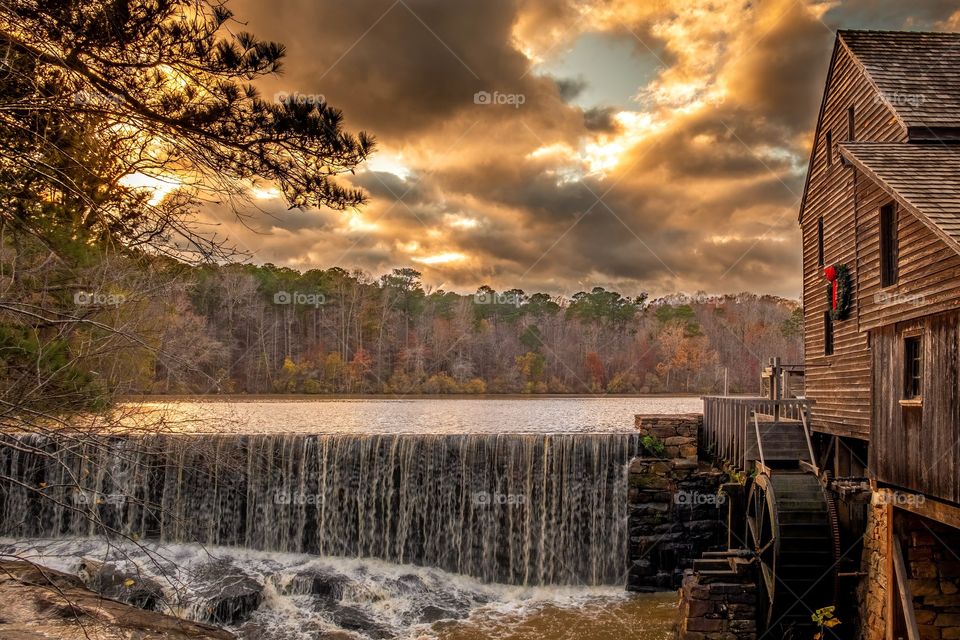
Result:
pixel 690 181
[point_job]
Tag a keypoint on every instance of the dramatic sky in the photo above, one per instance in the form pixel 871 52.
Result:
pixel 645 145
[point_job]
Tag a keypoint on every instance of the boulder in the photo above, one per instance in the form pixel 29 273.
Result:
pixel 42 603
pixel 357 620
pixel 430 614
pixel 316 582
pixel 126 586
pixel 229 595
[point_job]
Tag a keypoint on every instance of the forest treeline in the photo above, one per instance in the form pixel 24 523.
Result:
pixel 268 329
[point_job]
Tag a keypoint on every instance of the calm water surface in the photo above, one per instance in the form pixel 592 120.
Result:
pixel 413 416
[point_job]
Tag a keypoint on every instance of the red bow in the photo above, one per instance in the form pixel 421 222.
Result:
pixel 831 275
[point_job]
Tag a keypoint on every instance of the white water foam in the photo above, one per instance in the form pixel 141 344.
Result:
pixel 378 599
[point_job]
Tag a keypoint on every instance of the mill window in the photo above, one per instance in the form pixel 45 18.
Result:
pixel 913 367
pixel 827 334
pixel 888 245
pixel 820 242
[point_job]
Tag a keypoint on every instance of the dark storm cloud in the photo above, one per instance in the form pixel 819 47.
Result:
pixel 397 68
pixel 570 88
pixel 388 186
pixel 600 119
pixel 701 191
pixel 525 186
pixel 886 14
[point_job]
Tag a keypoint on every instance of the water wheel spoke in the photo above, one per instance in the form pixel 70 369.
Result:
pixel 770 580
pixel 789 534
pixel 765 547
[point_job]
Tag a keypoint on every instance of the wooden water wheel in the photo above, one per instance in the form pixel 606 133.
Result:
pixel 791 530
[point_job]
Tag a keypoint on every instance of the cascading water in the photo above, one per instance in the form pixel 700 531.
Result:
pixel 512 508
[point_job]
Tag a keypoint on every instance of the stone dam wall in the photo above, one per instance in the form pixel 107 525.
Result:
pixel 676 510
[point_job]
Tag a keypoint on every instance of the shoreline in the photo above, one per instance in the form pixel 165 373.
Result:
pixel 321 397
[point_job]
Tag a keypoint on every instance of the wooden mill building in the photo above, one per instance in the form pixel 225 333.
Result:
pixel 880 214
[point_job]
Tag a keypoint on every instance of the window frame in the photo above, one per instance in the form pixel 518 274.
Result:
pixel 828 334
pixel 888 223
pixel 913 367
pixel 829 148
pixel 820 252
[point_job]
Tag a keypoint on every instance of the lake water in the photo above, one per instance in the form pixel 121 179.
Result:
pixel 490 415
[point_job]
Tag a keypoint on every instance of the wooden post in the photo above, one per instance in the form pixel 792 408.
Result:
pixel 736 513
pixel 775 389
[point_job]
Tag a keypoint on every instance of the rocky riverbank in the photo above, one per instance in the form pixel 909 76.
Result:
pixel 40 603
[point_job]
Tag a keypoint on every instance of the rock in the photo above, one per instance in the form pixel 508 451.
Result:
pixel 125 586
pixel 430 614
pixel 653 482
pixel 43 603
pixel 355 619
pixel 924 587
pixel 230 595
pixel 327 586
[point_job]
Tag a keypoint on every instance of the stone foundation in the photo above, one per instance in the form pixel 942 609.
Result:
pixel 931 553
pixel 721 610
pixel 932 556
pixel 872 591
pixel 676 509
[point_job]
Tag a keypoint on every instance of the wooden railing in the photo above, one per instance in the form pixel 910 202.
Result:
pixel 728 423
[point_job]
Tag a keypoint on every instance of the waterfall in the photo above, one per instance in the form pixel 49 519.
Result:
pixel 513 508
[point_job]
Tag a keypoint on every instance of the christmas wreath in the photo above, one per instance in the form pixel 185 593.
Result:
pixel 839 291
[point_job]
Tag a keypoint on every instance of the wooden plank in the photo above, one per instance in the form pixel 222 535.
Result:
pixel 932 509
pixel 903 588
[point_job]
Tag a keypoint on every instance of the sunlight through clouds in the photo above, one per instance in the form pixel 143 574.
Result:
pixel 158 187
pixel 671 124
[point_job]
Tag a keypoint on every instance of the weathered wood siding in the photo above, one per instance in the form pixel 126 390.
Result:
pixel 839 384
pixel 928 270
pixel 918 448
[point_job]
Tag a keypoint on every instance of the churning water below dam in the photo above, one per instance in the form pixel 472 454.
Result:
pixel 516 532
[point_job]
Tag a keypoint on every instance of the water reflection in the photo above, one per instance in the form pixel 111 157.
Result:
pixel 413 416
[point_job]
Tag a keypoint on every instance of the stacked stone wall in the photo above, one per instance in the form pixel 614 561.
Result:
pixel 717 610
pixel 676 509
